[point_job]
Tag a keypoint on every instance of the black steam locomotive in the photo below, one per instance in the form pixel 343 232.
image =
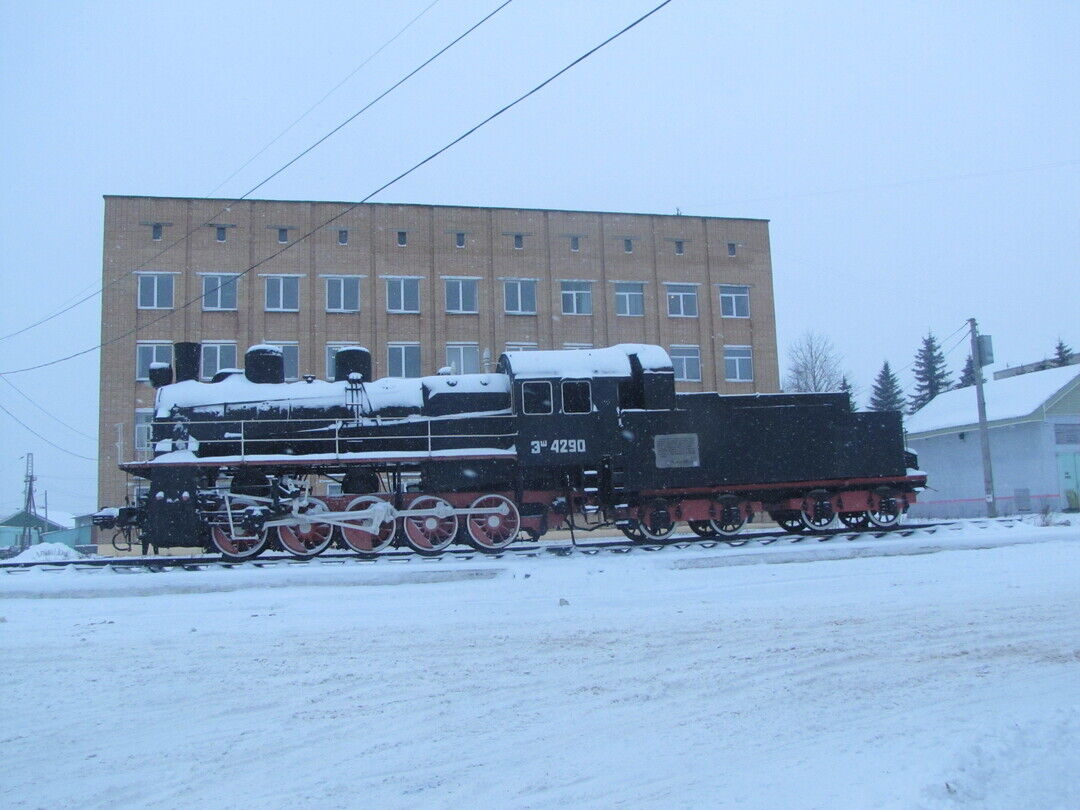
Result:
pixel 577 439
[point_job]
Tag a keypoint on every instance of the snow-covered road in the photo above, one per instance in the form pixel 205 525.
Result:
pixel 643 680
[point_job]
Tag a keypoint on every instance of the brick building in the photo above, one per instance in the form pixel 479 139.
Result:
pixel 422 287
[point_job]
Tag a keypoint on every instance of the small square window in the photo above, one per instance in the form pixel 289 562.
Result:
pixel 519 241
pixel 461 295
pixel 680 247
pixel 222 233
pixel 343 237
pixel 628 245
pixel 403 295
pixel 575 243
pixel 283 235
pixel 459 239
pixel 686 362
pixel 732 248
pixel 630 298
pixel 156 231
pixel 519 296
pixel 536 397
pixel 402 238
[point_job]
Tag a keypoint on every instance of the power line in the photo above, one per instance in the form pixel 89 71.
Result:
pixel 329 93
pixel 47 441
pixel 29 399
pixel 266 180
pixel 355 205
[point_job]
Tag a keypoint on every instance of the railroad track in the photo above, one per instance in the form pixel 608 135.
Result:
pixel 589 548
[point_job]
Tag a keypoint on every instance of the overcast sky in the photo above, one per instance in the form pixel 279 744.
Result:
pixel 919 162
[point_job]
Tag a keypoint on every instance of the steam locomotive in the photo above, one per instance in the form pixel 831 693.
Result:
pixel 576 439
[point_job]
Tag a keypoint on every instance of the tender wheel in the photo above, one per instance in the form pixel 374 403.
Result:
pixel 235 544
pixel 789 521
pixel 855 520
pixel 309 537
pixel 655 523
pixel 730 518
pixel 365 543
pixel 430 534
pixel 632 532
pixel 702 528
pixel 889 512
pixel 493 531
pixel 819 516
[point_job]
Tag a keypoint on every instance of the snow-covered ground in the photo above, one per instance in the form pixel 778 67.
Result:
pixel 688 678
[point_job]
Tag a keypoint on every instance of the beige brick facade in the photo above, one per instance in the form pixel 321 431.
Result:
pixel 499 243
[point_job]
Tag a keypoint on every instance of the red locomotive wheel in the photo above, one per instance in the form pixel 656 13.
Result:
pixel 430 533
pixel 855 520
pixel 365 543
pixel 493 531
pixel 655 521
pixel 702 528
pixel 232 541
pixel 309 537
pixel 729 517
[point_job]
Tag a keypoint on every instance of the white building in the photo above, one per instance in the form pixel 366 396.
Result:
pixel 1034 427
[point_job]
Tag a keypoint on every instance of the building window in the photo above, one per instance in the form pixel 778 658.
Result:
pixel 630 298
pixel 218 292
pixel 331 352
pixel 343 237
pixel 403 295
pixel 283 235
pixel 575 243
pixel 290 355
pixel 682 300
pixel 1067 434
pixel 464 358
pixel 738 364
pixel 402 238
pixel 686 360
pixel 732 248
pixel 734 301
pixel 520 347
pixel 403 359
pixel 282 294
pixel 155 291
pixel 577 298
pixel 144 429
pixel 461 296
pixel 576 396
pixel 519 241
pixel 459 239
pixel 342 294
pixel 536 397
pixel 577 347
pixel 215 357
pixel 156 231
pixel 222 233
pixel 628 245
pixel 519 296
pixel 680 247
pixel 148 353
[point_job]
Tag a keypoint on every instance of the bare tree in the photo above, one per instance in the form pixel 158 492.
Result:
pixel 813 365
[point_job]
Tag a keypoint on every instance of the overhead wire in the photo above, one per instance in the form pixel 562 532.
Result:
pixel 355 205
pixel 57 419
pixel 267 179
pixel 47 441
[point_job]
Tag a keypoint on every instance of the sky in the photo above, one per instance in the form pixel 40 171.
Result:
pixel 919 162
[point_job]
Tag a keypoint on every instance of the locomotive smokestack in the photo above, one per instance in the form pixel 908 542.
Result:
pixel 264 364
pixel 186 357
pixel 352 359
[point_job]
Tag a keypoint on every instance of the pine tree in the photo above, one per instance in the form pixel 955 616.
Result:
pixel 845 388
pixel 887 394
pixel 967 376
pixel 1062 353
pixel 931 376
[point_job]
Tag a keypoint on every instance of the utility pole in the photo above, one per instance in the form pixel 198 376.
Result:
pixel 980 357
pixel 29 509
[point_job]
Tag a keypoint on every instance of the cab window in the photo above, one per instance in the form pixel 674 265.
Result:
pixel 536 397
pixel 577 396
